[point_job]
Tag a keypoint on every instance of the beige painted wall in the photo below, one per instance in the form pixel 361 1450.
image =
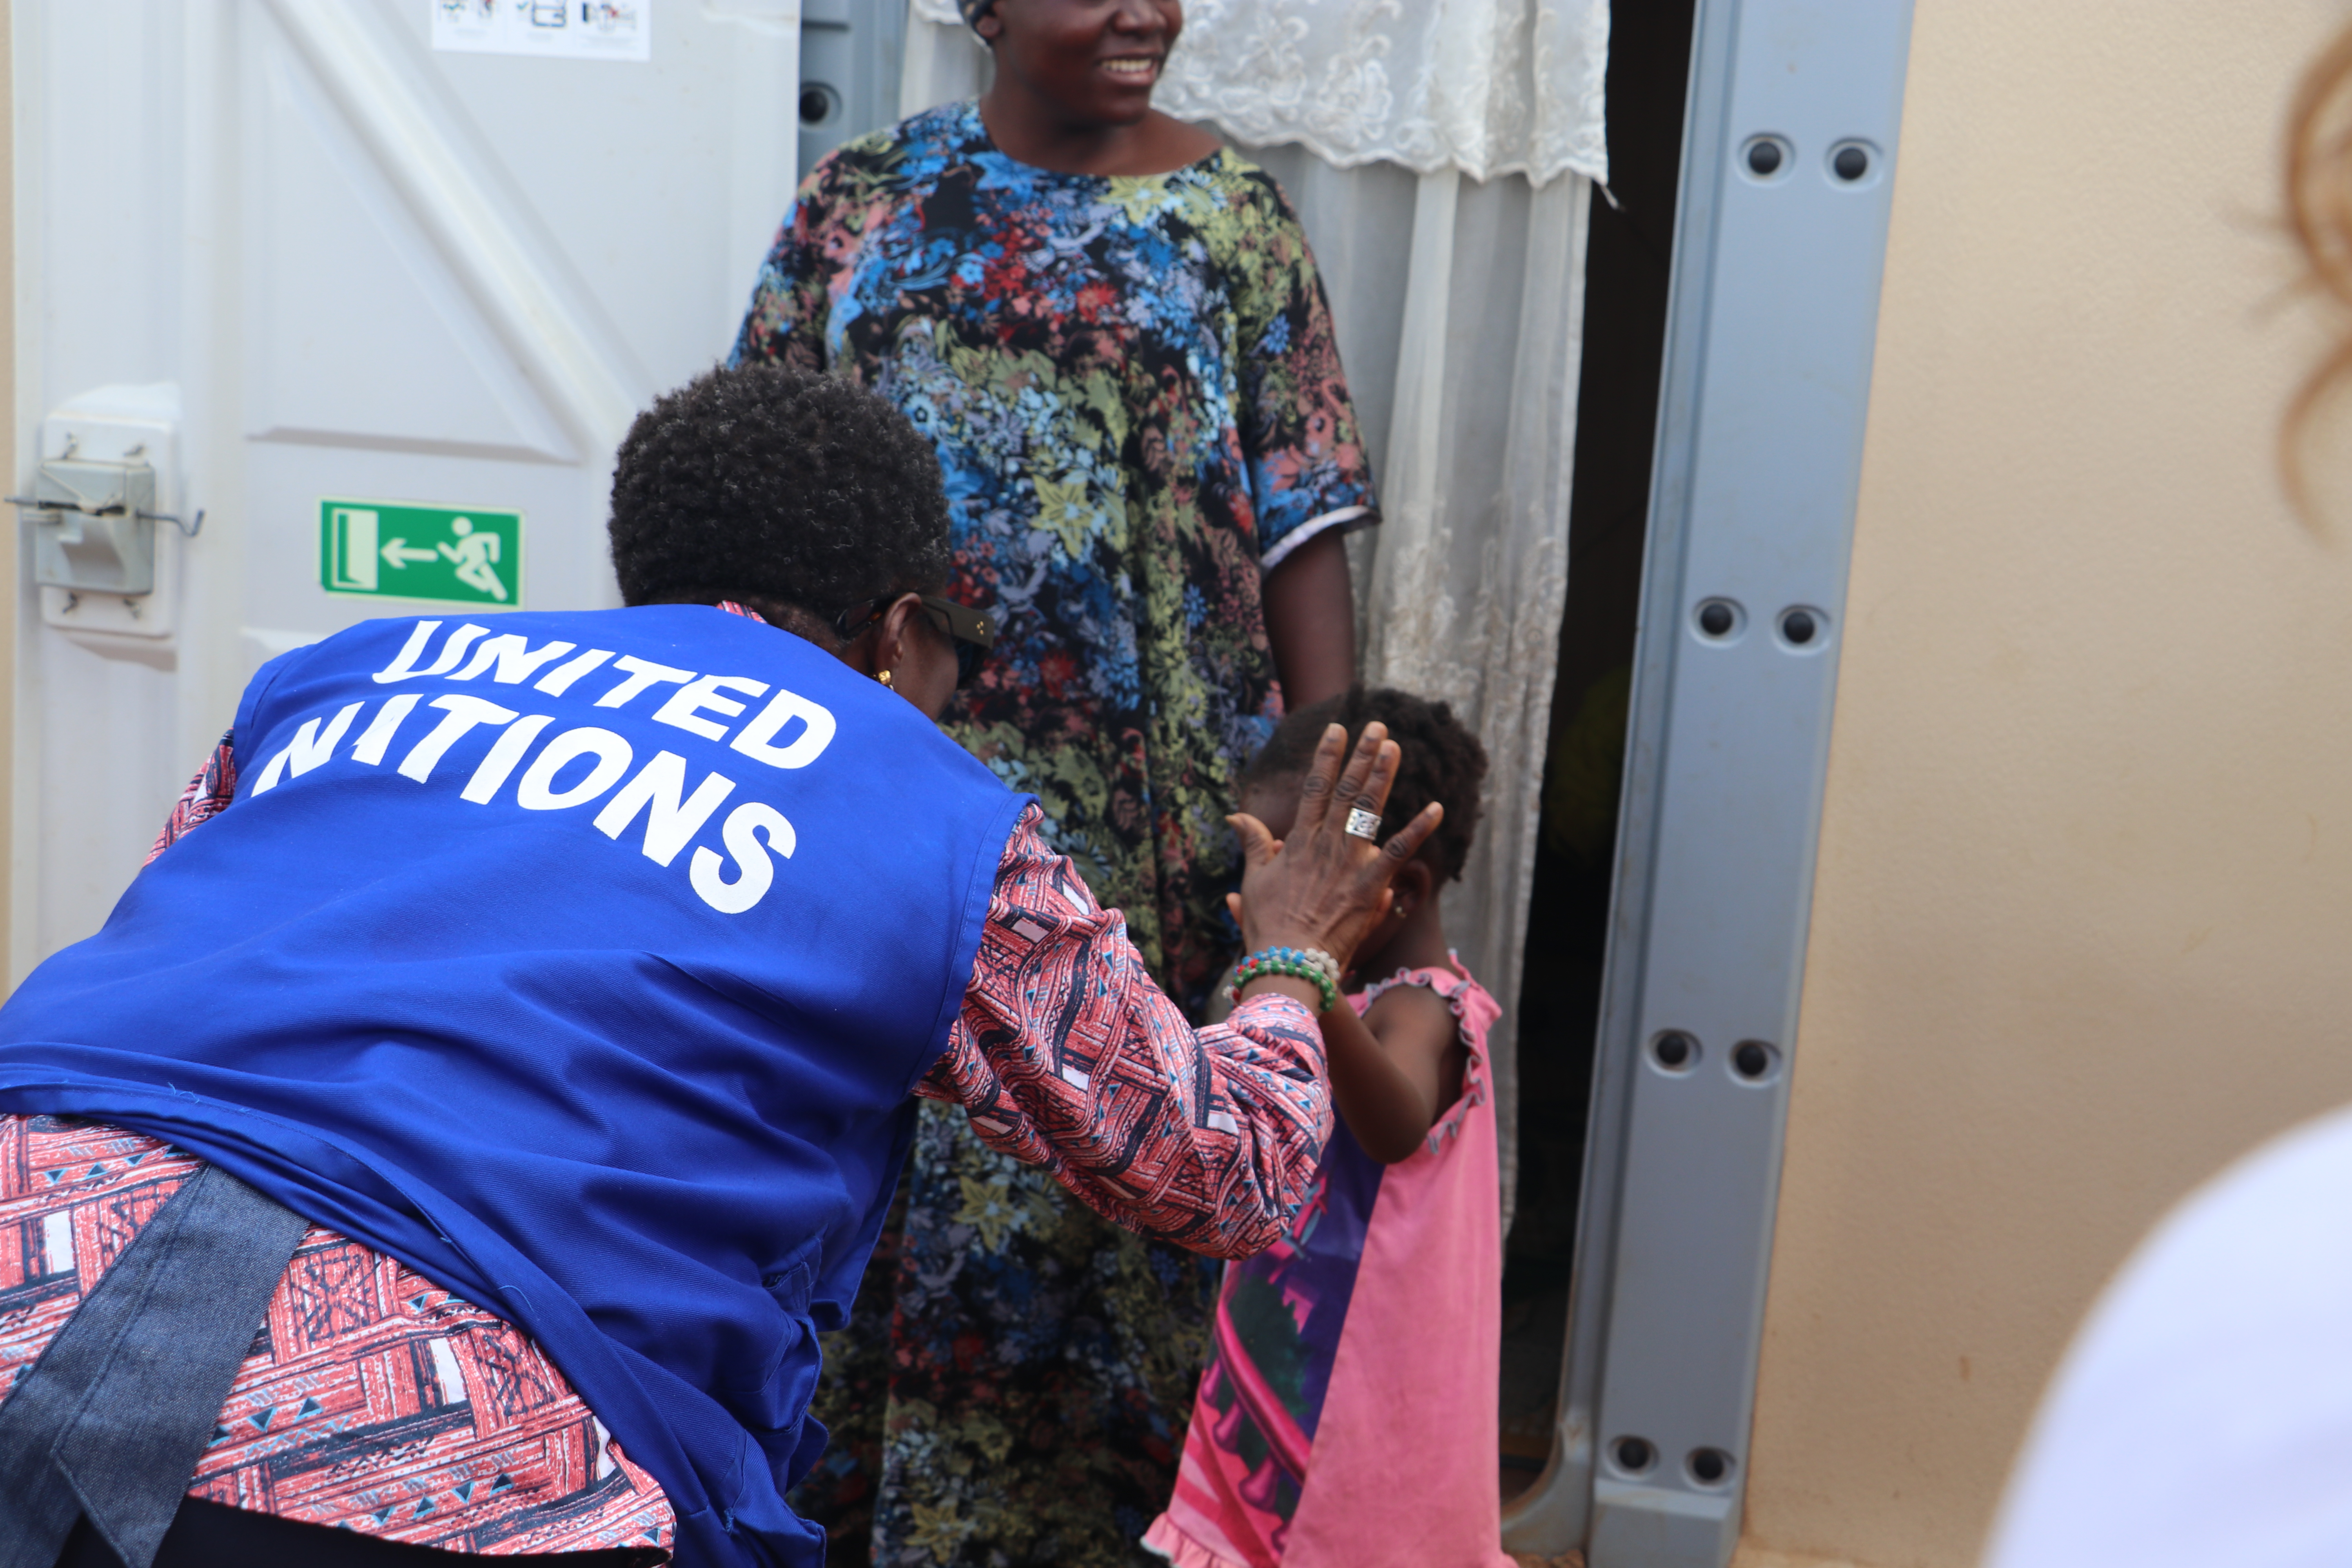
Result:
pixel 2082 926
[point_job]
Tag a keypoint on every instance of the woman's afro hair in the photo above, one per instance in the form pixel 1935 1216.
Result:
pixel 778 486
pixel 1443 761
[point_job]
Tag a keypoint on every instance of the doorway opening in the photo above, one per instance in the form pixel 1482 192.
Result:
pixel 1628 264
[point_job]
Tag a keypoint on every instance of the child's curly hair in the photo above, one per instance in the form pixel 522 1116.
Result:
pixel 1443 761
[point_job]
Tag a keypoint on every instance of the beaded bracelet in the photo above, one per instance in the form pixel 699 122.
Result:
pixel 1322 961
pixel 1309 964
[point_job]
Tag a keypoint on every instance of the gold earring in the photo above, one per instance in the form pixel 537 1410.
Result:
pixel 883 676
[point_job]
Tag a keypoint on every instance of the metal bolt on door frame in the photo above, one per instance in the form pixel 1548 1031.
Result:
pixel 1780 241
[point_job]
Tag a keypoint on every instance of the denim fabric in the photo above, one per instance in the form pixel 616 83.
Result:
pixel 212 1535
pixel 111 1420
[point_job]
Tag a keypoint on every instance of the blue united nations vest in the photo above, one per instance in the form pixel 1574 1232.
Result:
pixel 582 962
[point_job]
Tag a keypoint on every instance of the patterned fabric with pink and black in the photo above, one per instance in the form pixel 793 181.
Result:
pixel 372 1400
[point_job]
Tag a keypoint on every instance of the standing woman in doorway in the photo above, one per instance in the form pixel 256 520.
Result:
pixel 1112 332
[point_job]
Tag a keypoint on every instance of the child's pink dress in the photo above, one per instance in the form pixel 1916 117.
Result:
pixel 1347 1419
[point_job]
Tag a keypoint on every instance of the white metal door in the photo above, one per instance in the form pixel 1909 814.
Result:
pixel 291 251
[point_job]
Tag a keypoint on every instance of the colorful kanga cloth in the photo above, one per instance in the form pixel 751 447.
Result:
pixel 1348 1416
pixel 1041 1369
pixel 1136 396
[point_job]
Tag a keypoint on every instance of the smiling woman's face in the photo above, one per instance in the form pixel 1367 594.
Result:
pixel 1095 60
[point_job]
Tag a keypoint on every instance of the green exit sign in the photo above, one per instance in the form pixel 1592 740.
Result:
pixel 402 550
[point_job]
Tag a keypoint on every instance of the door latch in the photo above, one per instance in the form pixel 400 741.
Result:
pixel 93 523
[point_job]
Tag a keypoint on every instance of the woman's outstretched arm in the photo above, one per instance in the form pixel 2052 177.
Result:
pixel 1069 1057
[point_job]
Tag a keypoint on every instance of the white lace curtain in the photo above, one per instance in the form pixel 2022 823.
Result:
pixel 1487 86
pixel 1460 310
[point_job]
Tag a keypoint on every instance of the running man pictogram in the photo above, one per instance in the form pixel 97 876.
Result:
pixel 473 556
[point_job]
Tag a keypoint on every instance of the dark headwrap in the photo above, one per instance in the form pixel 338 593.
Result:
pixel 973 10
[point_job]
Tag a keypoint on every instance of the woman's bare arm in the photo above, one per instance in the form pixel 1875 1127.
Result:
pixel 1310 619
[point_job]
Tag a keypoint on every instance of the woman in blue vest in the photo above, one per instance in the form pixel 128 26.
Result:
pixel 521 1021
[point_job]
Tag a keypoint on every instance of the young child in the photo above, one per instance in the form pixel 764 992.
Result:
pixel 1347 1413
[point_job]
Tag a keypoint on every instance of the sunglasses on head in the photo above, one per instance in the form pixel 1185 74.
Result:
pixel 973 631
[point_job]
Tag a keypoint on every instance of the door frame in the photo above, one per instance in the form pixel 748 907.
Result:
pixel 1771 325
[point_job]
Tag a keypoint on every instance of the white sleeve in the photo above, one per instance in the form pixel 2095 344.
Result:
pixel 2203 1415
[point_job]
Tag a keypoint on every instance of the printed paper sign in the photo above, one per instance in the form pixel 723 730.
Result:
pixel 398 549
pixel 565 29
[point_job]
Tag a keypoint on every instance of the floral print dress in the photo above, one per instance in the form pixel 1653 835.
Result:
pixel 1136 397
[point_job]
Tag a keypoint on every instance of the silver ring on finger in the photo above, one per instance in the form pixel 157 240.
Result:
pixel 1363 824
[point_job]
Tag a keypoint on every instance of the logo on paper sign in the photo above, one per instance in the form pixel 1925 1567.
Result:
pixel 451 555
pixel 564 29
